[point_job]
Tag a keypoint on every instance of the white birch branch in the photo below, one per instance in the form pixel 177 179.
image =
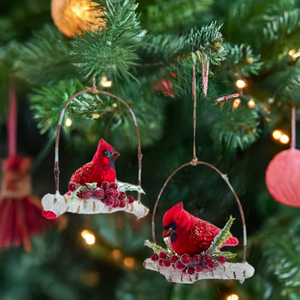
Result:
pixel 59 204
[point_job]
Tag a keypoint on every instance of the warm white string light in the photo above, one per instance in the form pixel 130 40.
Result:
pixel 105 82
pixel 69 122
pixel 251 103
pixel 236 103
pixel 233 297
pixel 241 84
pixel 88 237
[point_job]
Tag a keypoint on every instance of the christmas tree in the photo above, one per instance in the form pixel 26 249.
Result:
pixel 210 80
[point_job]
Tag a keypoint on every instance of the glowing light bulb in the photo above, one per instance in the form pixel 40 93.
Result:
pixel 284 139
pixel 129 262
pixel 277 134
pixel 292 52
pixel 89 237
pixel 95 116
pixel 236 103
pixel 241 84
pixel 116 254
pixel 233 297
pixel 104 82
pixel 114 105
pixel 68 122
pixel 251 103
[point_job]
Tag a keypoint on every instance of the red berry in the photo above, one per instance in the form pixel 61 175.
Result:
pixel 173 258
pixel 116 194
pixel 108 201
pixel 222 259
pixel 154 257
pixel 161 262
pixel 183 271
pixel 122 196
pixel 196 259
pixel 86 194
pixel 211 264
pixel 207 258
pixel 72 187
pixel 109 192
pixel 122 204
pixel 162 255
pixel 179 265
pixel 130 199
pixel 105 185
pixel 185 259
pixel 191 271
pixel 99 193
pixel 199 269
pixel 116 203
pixel 173 266
pixel 114 186
pixel 167 263
pixel 205 267
pixel 79 194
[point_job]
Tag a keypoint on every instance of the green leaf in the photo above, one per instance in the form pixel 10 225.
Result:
pixel 123 186
pixel 227 254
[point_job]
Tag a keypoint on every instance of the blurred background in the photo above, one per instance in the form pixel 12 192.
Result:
pixel 141 52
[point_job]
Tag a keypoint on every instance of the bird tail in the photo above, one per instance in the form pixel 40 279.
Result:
pixel 232 241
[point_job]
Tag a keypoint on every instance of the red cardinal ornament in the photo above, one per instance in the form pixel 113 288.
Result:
pixel 20 212
pixel 189 234
pixel 283 177
pixel 94 189
pixel 101 168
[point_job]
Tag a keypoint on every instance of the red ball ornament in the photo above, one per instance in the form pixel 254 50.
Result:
pixel 283 177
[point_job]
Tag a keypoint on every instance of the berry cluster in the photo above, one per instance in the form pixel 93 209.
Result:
pixel 108 193
pixel 187 264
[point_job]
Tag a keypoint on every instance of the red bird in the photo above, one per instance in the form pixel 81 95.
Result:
pixel 101 168
pixel 189 234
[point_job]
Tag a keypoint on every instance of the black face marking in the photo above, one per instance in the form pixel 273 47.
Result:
pixel 109 155
pixel 173 227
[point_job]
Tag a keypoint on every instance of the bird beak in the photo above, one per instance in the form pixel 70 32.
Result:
pixel 167 233
pixel 115 155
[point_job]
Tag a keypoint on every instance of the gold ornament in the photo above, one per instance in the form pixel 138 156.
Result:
pixel 74 16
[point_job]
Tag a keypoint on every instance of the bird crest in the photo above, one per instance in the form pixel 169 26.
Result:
pixel 99 157
pixel 173 213
pixel 103 145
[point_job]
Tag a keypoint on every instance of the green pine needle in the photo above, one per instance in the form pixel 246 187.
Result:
pixel 223 235
pixel 110 51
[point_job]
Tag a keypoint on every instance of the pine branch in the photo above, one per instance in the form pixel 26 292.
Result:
pixel 43 59
pixel 282 26
pixel 163 49
pixel 227 254
pixel 208 41
pixel 222 237
pixel 281 252
pixel 176 14
pixel 240 59
pixel 112 51
pixel 48 102
pixel 236 129
pixel 154 247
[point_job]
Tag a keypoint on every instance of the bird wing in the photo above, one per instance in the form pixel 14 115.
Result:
pixel 202 233
pixel 89 173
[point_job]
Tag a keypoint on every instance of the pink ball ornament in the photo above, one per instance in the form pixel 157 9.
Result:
pixel 283 177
